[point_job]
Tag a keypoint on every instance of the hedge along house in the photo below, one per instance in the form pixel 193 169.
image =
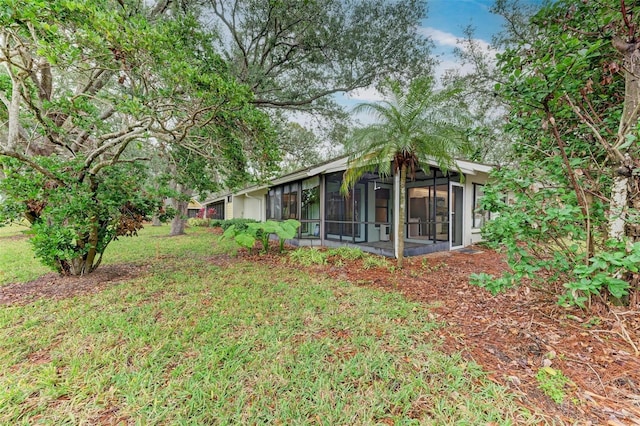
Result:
pixel 442 208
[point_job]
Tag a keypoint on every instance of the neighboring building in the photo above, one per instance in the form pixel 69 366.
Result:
pixel 193 208
pixel 442 211
pixel 215 208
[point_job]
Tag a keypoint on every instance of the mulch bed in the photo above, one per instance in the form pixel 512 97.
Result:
pixel 55 286
pixel 515 334
pixel 511 335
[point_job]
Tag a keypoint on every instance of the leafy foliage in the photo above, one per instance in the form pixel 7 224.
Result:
pixel 239 224
pixel 415 124
pixel 262 231
pixel 73 222
pixel 552 383
pixel 575 152
pixel 493 284
pixel 606 271
pixel 196 221
pixel 295 54
pixel 309 256
pixel 89 89
pixel 347 253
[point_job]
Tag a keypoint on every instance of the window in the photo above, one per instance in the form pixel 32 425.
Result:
pixel 480 216
pixel 310 208
pixel 282 202
pixel 290 202
pixel 341 212
pixel 382 205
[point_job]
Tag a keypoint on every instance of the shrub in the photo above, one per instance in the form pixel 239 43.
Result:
pixel 605 272
pixel 347 253
pixel 194 221
pixel 239 224
pixel 210 212
pixel 246 233
pixel 309 256
pixel 493 284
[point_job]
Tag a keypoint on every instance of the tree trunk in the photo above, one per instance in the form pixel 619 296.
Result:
pixel 179 222
pixel 155 221
pixel 625 197
pixel 181 205
pixel 618 208
pixel 401 214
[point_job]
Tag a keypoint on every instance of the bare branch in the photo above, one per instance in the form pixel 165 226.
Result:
pixel 614 154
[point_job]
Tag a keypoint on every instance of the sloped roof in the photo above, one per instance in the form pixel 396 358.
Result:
pixel 337 165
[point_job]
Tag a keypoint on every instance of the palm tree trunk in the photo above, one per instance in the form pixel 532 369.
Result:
pixel 401 214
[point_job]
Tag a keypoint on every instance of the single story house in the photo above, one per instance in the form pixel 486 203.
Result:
pixel 441 213
pixel 193 208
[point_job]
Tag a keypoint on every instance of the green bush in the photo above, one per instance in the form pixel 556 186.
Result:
pixel 604 272
pixel 239 224
pixel 72 221
pixel 309 256
pixel 347 253
pixel 493 284
pixel 194 221
pixel 247 233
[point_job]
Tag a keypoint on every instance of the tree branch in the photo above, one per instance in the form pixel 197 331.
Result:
pixel 614 154
pixel 29 162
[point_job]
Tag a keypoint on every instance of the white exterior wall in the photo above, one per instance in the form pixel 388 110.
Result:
pixel 471 235
pixel 238 207
pixel 250 205
pixel 228 210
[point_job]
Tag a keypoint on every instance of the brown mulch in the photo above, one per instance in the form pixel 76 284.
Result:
pixel 55 286
pixel 515 334
pixel 511 335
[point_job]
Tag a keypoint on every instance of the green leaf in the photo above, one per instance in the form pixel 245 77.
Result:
pixel 245 240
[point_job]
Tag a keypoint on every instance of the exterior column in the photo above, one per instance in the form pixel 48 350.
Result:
pixel 396 210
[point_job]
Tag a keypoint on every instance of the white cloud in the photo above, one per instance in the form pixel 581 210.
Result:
pixel 446 39
pixel 441 38
pixel 445 42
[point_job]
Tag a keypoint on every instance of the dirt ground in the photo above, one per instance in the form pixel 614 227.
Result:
pixel 512 335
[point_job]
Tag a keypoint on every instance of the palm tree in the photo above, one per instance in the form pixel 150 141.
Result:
pixel 412 125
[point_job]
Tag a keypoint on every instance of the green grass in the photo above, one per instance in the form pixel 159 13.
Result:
pixel 194 343
pixel 17 263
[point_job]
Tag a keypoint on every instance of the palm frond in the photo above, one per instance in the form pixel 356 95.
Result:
pixel 414 124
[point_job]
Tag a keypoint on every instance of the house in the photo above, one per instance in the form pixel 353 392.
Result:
pixel 442 208
pixel 193 208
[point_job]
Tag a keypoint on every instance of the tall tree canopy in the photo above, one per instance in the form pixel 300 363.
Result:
pixel 415 124
pixel 574 94
pixel 295 54
pixel 88 85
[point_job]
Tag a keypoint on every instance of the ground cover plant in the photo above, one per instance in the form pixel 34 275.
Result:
pixel 201 337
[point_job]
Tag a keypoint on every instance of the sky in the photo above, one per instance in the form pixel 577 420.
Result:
pixel 447 19
pixel 445 24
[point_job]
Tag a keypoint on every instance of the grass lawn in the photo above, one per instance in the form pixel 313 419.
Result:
pixel 17 263
pixel 195 343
